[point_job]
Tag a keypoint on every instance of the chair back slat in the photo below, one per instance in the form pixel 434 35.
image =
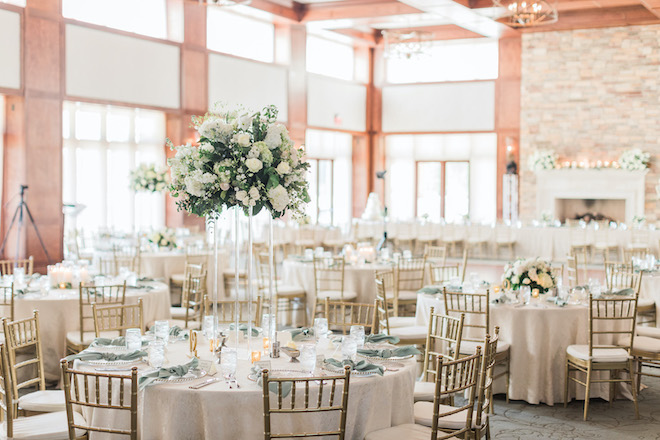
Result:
pixel 329 274
pixel 117 318
pixel 22 338
pixel 226 310
pixel 442 340
pixel 100 295
pixel 341 315
pixel 7 266
pixel 409 274
pixel 475 306
pixel 612 322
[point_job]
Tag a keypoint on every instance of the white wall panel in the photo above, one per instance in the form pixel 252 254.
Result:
pixel 328 98
pixel 10 49
pixel 104 65
pixel 254 85
pixel 468 106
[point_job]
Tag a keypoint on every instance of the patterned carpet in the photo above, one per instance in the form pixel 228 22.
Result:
pixel 519 420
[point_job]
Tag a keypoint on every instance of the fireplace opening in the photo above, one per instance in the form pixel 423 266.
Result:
pixel 590 209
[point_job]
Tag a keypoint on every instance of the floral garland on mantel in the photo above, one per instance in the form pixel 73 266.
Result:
pixel 630 160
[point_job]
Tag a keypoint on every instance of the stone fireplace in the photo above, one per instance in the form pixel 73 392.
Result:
pixel 610 193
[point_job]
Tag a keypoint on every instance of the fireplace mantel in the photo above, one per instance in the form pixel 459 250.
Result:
pixel 591 184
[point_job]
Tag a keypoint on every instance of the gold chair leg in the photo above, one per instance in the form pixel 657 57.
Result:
pixel 508 377
pixel 613 375
pixel 634 389
pixel 566 380
pixel 586 393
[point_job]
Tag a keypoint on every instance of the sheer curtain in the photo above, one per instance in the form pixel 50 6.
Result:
pixel 102 144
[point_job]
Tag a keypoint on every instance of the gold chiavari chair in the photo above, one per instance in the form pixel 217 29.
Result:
pixel 504 238
pixel 646 351
pixel 441 273
pixel 80 339
pixel 412 334
pixel 287 297
pixel 325 404
pixel 452 377
pixel 341 315
pixel 7 266
pixel 387 278
pixel 195 258
pixel 409 278
pixel 637 252
pixel 623 276
pixel 51 425
pixel 26 363
pixel 581 258
pixel 117 318
pixel 94 390
pixel 436 254
pixel 603 243
pixel 612 319
pixel 571 271
pixel 452 237
pixel 329 281
pixel 443 339
pixel 226 310
pixel 557 271
pixel 7 301
pixel 476 307
pixel 192 295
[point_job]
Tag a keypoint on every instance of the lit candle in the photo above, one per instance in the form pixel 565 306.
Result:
pixel 62 285
pixel 266 344
pixel 256 356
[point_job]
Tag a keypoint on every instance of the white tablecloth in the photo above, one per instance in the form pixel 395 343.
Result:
pixel 651 290
pixel 173 411
pixel 539 335
pixel 59 314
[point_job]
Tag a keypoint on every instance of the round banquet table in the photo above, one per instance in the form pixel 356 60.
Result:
pixel 539 335
pixel 174 411
pixel 651 290
pixel 358 278
pixel 59 314
pixel 164 264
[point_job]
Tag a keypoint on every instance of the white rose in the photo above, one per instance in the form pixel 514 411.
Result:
pixel 242 139
pixel 526 281
pixel 515 279
pixel 224 186
pixel 283 168
pixel 518 270
pixel 279 198
pixel 207 147
pixel 254 193
pixel 241 195
pixel 533 275
pixel 253 164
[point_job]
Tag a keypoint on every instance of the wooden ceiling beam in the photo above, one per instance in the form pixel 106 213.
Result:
pixel 653 6
pixel 290 13
pixel 599 18
pixel 355 9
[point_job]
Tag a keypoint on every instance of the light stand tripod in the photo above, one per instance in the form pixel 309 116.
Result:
pixel 19 213
pixel 384 242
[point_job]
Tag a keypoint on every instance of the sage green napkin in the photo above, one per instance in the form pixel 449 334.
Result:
pixel 175 331
pixel 244 329
pixel 111 357
pixel 623 292
pixel 361 366
pixel 430 290
pixel 298 334
pixel 381 337
pixel 272 387
pixel 388 353
pixel 165 373
pixel 116 342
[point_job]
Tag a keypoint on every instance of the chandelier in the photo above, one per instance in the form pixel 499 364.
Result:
pixel 225 2
pixel 406 45
pixel 525 14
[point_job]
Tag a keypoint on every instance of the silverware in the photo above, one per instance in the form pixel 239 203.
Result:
pixel 204 383
pixel 236 383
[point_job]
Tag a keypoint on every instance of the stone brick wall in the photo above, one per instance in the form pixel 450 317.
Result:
pixel 589 95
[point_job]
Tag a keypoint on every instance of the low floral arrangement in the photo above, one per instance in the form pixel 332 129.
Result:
pixel 638 220
pixel 543 160
pixel 165 238
pixel 533 272
pixel 243 159
pixel 634 159
pixel 148 178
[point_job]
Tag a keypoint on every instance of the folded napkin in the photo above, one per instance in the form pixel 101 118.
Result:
pixel 381 337
pixel 165 373
pixel 272 387
pixel 116 342
pixel 146 279
pixel 175 331
pixel 388 353
pixel 244 329
pixel 361 366
pixel 623 292
pixel 430 290
pixel 142 287
pixel 298 334
pixel 111 357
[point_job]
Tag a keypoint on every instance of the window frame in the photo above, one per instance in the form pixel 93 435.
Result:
pixel 443 184
pixel 318 187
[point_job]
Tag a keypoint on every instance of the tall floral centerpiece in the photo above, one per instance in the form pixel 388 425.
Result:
pixel 244 160
pixel 533 272
pixel 148 178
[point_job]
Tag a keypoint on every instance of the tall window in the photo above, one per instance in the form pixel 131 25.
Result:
pixel 236 33
pixel 443 190
pixel 330 58
pixel 14 2
pixel 102 144
pixel 455 60
pixel 144 17
pixel 330 156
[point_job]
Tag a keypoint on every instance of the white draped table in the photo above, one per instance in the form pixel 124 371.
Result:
pixel 539 335
pixel 59 313
pixel 176 412
pixel 651 290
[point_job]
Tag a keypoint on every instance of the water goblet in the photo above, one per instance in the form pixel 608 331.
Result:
pixel 357 331
pixel 308 357
pixel 133 339
pixel 157 353
pixel 162 330
pixel 320 327
pixel 228 362
pixel 349 348
pixel 525 294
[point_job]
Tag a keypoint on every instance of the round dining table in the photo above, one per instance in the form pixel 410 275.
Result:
pixel 538 334
pixel 650 290
pixel 59 313
pixel 174 411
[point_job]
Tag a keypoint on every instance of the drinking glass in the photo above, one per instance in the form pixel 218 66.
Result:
pixel 162 330
pixel 157 353
pixel 357 331
pixel 320 327
pixel 228 363
pixel 19 275
pixel 308 357
pixel 133 339
pixel 207 326
pixel 349 348
pixel 525 294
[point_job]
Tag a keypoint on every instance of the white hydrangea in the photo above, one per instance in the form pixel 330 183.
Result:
pixel 196 182
pixel 543 160
pixel 634 159
pixel 215 129
pixel 279 198
pixel 207 147
pixel 274 135
pixel 253 164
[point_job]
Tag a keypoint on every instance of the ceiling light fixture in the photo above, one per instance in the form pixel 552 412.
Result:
pixel 225 2
pixel 527 13
pixel 408 44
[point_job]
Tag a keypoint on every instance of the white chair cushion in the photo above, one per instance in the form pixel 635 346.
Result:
pixel 177 278
pixel 410 333
pixel 424 391
pixel 644 343
pixel 49 426
pixel 424 416
pixel 290 290
pixel 651 332
pixel 180 312
pixel 600 354
pixel 335 295
pixel 645 302
pixel 43 401
pixel 407 295
pixel 469 347
pixel 88 337
pixel 408 431
pixel 401 321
